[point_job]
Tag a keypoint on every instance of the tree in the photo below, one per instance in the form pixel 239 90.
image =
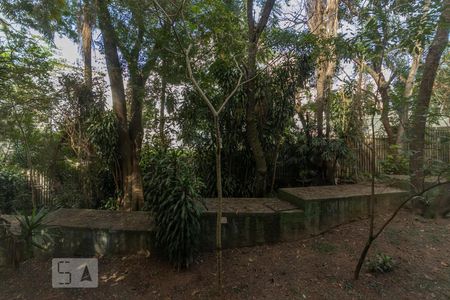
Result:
pixel 323 23
pixel 46 16
pixel 398 43
pixel 128 40
pixel 25 91
pixel 119 103
pixel 409 82
pixel 255 29
pixel 86 41
pixel 75 22
pixel 215 112
pixel 420 114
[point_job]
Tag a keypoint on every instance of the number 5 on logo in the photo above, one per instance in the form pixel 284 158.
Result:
pixel 62 274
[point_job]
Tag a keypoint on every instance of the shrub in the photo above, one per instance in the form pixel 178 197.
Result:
pixel 381 264
pixel 109 204
pixel 14 191
pixel 32 231
pixel 395 164
pixel 305 157
pixel 172 193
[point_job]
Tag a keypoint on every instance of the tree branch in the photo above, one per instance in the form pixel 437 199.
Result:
pixel 195 83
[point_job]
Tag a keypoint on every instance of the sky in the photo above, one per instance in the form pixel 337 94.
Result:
pixel 70 52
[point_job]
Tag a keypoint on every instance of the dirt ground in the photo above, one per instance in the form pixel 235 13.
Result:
pixel 317 268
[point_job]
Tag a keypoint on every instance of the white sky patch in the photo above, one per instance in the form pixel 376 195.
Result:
pixel 70 53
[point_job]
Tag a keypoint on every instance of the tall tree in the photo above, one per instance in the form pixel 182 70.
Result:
pixel 130 132
pixel 398 43
pixel 416 54
pixel 323 23
pixel 25 93
pixel 133 39
pixel 67 18
pixel 420 114
pixel 255 29
pixel 218 10
pixel 86 41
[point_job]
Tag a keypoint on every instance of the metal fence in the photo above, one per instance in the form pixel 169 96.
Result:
pixel 437 149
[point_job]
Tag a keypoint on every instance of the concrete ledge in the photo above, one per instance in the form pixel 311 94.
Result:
pixel 239 230
pixel 246 221
pixel 328 206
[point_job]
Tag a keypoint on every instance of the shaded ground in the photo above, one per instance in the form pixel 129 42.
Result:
pixel 317 268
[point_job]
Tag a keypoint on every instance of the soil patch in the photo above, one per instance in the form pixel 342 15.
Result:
pixel 317 268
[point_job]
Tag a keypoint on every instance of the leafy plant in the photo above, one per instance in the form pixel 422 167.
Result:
pixel 306 155
pixel 14 192
pixel 172 193
pixel 110 204
pixel 395 164
pixel 381 264
pixel 102 133
pixel 32 230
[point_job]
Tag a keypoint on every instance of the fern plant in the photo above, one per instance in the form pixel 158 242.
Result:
pixel 172 194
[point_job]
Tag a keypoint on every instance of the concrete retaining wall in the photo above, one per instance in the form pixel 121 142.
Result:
pixel 250 229
pixel 336 206
pixel 246 222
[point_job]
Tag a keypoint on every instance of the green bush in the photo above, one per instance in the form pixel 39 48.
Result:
pixel 395 164
pixel 14 191
pixel 172 194
pixel 305 157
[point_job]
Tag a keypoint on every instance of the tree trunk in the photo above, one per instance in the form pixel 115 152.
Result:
pixel 323 22
pixel 119 104
pixel 420 114
pixel 220 199
pixel 383 89
pixel 385 100
pixel 253 137
pixel 86 41
pixel 162 110
pixel 320 98
pixel 136 133
pixel 252 125
pixel 137 184
pixel 84 154
pixel 407 94
pixel 409 83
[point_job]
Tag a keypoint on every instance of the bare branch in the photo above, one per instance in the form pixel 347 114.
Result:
pixel 224 103
pixel 196 85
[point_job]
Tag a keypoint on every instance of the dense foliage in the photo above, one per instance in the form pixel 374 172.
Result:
pixel 172 194
pixel 33 231
pixel 14 191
